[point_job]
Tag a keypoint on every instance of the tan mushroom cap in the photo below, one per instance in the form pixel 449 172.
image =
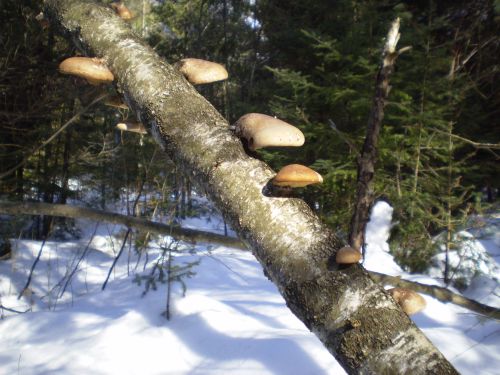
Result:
pixel 296 175
pixel 410 302
pixel 90 68
pixel 199 71
pixel 116 102
pixel 266 131
pixel 135 127
pixel 348 255
pixel 122 11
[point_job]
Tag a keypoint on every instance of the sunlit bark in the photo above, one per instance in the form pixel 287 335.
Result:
pixel 355 319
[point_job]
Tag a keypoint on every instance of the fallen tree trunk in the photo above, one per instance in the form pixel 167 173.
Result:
pixel 439 293
pixel 351 314
pixel 183 234
pixel 197 236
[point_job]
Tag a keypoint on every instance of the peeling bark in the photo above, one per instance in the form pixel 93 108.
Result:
pixel 356 320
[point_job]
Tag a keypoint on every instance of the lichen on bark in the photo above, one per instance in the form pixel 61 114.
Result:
pixel 356 320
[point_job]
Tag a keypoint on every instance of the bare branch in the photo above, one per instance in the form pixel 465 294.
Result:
pixel 479 145
pixel 197 236
pixel 442 294
pixel 344 137
pixel 52 137
pixel 184 234
pixel 368 156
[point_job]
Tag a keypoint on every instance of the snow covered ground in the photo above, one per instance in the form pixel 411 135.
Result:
pixel 230 320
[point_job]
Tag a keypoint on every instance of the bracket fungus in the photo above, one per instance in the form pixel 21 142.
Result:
pixel 92 69
pixel 296 175
pixel 265 131
pixel 347 255
pixel 410 302
pixel 199 71
pixel 134 127
pixel 122 11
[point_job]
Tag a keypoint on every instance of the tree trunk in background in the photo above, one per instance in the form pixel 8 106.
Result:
pixel 47 190
pixel 65 168
pixel 355 319
pixel 66 156
pixel 368 157
pixel 20 182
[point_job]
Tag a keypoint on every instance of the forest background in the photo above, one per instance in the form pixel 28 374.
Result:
pixel 311 63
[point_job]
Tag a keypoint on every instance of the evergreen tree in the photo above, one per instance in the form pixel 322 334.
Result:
pixel 424 169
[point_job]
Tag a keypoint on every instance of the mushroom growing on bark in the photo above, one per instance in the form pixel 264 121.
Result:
pixel 347 255
pixel 135 127
pixel 410 302
pixel 296 175
pixel 265 131
pixel 122 10
pixel 92 69
pixel 199 71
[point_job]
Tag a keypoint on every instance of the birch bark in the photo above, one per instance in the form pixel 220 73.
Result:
pixel 355 319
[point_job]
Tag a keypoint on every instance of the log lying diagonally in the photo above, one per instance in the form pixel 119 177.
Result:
pixel 355 319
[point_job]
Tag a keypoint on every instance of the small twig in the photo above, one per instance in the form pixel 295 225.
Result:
pixel 12 310
pixel 344 137
pixel 476 344
pixel 129 230
pixel 84 253
pixel 143 248
pixel 161 259
pixel 403 50
pixel 32 269
pixel 51 138
pixel 169 283
pixel 488 146
pixel 124 242
pixel 462 63
pixel 225 265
